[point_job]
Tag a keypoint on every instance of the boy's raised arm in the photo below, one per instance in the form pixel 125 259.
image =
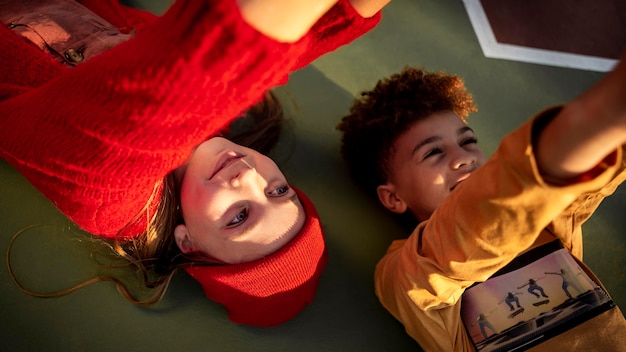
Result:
pixel 585 131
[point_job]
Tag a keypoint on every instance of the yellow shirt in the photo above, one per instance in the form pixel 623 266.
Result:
pixel 492 217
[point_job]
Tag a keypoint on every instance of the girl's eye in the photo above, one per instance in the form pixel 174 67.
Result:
pixel 433 152
pixel 278 191
pixel 239 218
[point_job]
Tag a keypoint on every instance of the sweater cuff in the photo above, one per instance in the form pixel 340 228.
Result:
pixel 341 25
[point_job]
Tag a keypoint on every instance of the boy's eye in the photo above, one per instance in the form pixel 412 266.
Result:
pixel 239 218
pixel 471 140
pixel 433 152
pixel 278 191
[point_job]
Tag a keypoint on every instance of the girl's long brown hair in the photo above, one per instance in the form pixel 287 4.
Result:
pixel 154 253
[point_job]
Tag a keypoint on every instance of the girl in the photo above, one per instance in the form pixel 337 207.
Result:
pixel 115 115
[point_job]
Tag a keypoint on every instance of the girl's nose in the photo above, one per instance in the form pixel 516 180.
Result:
pixel 249 178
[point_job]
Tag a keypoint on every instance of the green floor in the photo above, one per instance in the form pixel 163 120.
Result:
pixel 345 315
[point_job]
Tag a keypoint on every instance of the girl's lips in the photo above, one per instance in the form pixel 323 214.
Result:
pixel 225 160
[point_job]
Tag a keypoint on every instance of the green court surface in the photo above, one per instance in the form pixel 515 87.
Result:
pixel 345 315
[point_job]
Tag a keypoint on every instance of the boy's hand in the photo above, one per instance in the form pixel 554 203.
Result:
pixel 587 130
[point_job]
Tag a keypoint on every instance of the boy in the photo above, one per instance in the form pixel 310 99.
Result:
pixel 406 141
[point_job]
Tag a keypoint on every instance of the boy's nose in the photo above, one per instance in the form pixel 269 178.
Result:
pixel 462 158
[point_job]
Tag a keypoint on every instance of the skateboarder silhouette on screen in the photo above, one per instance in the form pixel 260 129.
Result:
pixel 568 280
pixel 510 298
pixel 483 323
pixel 532 287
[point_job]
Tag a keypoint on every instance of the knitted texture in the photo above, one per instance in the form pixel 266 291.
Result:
pixel 272 290
pixel 96 139
pixel 340 26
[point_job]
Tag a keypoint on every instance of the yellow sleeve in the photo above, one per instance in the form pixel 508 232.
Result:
pixel 567 226
pixel 489 219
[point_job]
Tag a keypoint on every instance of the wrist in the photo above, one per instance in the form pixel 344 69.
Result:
pixel 283 20
pixel 368 8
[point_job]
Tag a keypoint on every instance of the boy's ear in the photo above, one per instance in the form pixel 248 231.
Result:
pixel 183 241
pixel 387 195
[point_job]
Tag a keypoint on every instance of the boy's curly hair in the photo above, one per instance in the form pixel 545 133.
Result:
pixel 378 117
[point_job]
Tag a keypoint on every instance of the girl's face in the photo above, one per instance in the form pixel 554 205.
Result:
pixel 429 161
pixel 236 203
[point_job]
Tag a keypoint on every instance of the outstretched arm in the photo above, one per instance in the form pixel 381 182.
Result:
pixel 476 320
pixel 98 151
pixel 586 131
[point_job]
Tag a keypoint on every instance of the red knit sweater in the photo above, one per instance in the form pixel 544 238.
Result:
pixel 96 138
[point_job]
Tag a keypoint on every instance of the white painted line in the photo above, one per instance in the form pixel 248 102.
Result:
pixel 493 49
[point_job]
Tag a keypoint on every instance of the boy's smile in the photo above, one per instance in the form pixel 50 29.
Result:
pixel 428 162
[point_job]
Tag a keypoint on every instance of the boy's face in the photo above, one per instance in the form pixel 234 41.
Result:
pixel 429 161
